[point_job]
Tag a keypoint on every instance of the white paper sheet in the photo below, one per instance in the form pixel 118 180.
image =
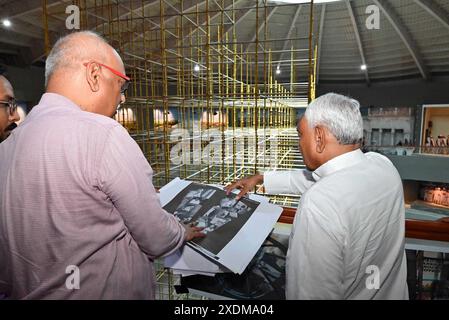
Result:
pixel 188 259
pixel 185 273
pixel 237 254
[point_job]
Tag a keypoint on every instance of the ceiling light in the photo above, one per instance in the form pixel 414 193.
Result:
pixel 278 71
pixel 363 67
pixel 6 23
pixel 196 68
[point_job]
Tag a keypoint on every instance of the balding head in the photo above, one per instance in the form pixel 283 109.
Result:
pixel 83 67
pixel 72 50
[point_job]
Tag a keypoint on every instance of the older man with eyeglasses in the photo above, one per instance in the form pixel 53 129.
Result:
pixel 348 235
pixel 79 216
pixel 8 109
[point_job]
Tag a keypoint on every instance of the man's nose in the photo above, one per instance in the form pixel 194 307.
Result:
pixel 15 117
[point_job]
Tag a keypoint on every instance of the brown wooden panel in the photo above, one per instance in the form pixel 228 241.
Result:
pixel 428 230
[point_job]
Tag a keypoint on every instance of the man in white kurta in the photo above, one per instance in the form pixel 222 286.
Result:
pixel 349 224
pixel 348 235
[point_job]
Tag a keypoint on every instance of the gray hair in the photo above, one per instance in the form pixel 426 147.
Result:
pixel 339 114
pixel 67 53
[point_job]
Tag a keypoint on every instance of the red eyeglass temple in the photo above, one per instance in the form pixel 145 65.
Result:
pixel 121 75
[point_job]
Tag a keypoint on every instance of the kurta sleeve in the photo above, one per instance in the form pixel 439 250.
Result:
pixel 289 182
pixel 126 179
pixel 315 256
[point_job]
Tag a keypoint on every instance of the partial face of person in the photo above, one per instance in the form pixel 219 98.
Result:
pixel 115 83
pixel 8 118
pixel 108 83
pixel 307 144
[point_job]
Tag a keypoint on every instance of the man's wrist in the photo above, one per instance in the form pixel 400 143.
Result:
pixel 259 178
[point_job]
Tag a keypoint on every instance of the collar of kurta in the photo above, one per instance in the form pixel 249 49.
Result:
pixel 57 100
pixel 338 163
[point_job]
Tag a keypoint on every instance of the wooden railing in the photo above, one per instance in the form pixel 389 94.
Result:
pixel 428 230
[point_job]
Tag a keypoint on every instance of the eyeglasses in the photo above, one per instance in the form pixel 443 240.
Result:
pixel 117 73
pixel 11 105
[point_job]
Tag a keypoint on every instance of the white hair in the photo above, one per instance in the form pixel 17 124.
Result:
pixel 339 114
pixel 67 53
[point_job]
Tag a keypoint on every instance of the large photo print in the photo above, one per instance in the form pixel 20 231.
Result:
pixel 264 277
pixel 221 216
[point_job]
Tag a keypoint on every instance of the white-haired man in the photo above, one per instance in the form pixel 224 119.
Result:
pixel 347 240
pixel 79 216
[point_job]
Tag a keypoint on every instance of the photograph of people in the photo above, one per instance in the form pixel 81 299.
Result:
pixel 210 208
pixel 192 203
pixel 219 215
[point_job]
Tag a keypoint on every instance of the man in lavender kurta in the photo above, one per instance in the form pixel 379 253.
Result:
pixel 76 193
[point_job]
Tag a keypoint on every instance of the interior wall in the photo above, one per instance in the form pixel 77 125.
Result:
pixel 400 93
pixel 440 126
pixel 440 121
pixel 28 83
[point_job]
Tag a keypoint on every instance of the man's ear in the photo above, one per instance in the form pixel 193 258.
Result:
pixel 320 139
pixel 93 76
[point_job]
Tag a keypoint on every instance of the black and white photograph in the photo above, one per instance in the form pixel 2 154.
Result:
pixel 264 277
pixel 209 207
pixel 221 214
pixel 192 203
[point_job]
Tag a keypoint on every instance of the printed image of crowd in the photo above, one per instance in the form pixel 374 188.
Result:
pixel 264 278
pixel 209 207
pixel 219 215
pixel 192 203
pixel 216 216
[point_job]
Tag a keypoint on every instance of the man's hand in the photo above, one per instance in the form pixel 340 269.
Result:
pixel 245 185
pixel 193 232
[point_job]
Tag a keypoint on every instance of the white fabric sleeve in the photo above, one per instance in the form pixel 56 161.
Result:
pixel 287 182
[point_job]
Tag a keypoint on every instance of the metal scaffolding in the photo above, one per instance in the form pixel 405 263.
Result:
pixel 203 104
